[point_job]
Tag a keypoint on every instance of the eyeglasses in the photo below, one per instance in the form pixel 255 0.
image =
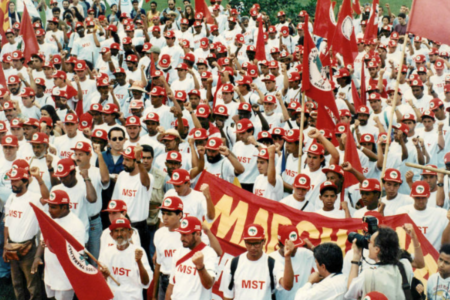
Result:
pixel 114 139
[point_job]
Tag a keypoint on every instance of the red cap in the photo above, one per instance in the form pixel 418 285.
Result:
pixel 131 58
pixel 402 127
pixel 269 77
pixel 80 65
pixel 316 149
pixel 428 114
pixel 420 189
pixel 110 108
pixel 10 140
pixel 152 117
pixel 202 111
pixel 374 97
pixel 13 79
pixel 375 296
pixel 39 138
pixel 253 232
pixel 27 92
pixel 189 57
pixel 189 224
pixel 428 172
pixel 100 133
pixel 370 185
pixel 416 82
pixel 133 121
pixel 244 106
pixel 294 76
pixel 64 167
pixel 17 55
pixel 47 120
pixel 245 80
pixel 115 46
pixel 343 72
pixel 181 95
pixel 363 110
pixel 31 122
pixel 172 203
pixel 158 91
pixel 169 34
pixel 243 125
pixel 82 146
pixel 194 92
pixel 58 197
pixel 292 135
pixel 333 168
pixel 221 110
pixel 270 99
pixel 71 118
pixel 264 135
pixel 410 117
pixel 438 64
pixel 3 127
pixel 447 158
pixel 179 177
pixel 40 81
pixel 185 122
pixel 129 152
pixel 367 138
pixel 302 181
pixel 289 232
pixel 96 107
pixel 328 184
pixel 60 74
pixel 18 174
pixel 116 206
pixel 393 175
pixel 174 156
pixel 263 153
pixel 204 43
pixel 16 123
pixel 200 134
pixel 214 143
pixel 273 64
pixel 326 133
pixel 341 128
pixel 120 223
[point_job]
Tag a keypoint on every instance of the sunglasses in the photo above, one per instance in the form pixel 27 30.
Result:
pixel 114 139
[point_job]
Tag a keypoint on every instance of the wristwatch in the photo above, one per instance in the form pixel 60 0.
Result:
pixel 440 184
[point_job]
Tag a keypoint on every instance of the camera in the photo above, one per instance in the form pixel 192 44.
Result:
pixel 362 241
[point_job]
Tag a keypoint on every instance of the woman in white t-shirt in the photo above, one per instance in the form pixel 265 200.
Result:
pixel 328 195
pixel 268 184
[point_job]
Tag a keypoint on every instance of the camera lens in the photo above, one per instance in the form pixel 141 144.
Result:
pixel 361 241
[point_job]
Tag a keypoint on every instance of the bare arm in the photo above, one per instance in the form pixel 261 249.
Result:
pixel 271 172
pixel 210 209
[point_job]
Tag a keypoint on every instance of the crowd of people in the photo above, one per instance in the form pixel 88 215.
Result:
pixel 109 125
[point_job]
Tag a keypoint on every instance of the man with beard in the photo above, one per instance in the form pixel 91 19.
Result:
pixel 362 126
pixel 21 228
pixel 221 162
pixel 30 127
pixel 151 121
pixel 87 46
pixel 86 86
pixel 10 111
pixel 65 142
pixel 13 86
pixel 134 186
pixel 95 111
pixel 128 257
pixel 121 86
pixel 42 159
pixel 57 285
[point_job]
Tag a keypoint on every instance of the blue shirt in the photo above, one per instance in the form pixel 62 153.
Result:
pixel 113 168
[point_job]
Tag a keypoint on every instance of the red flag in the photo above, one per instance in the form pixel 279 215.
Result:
pixel 372 24
pixel 87 282
pixel 200 6
pixel 430 21
pixel 260 45
pixel 355 96
pixel 2 77
pixel 28 36
pixel 344 40
pixel 351 156
pixel 326 122
pixel 325 24
pixel 356 7
pixel 362 89
pixel 4 19
pixel 218 87
pixel 315 83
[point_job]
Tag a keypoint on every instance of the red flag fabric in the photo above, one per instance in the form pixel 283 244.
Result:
pixel 325 24
pixel 430 21
pixel 260 45
pixel 362 88
pixel 4 19
pixel 372 24
pixel 344 40
pixel 315 83
pixel 351 156
pixel 355 96
pixel 356 7
pixel 326 122
pixel 31 45
pixel 2 77
pixel 218 87
pixel 87 282
pixel 200 6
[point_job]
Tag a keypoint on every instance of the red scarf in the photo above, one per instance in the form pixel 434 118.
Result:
pixel 188 255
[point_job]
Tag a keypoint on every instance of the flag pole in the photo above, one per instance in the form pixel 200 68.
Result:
pixel 100 265
pixel 394 106
pixel 300 148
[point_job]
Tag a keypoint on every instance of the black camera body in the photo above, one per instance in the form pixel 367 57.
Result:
pixel 362 241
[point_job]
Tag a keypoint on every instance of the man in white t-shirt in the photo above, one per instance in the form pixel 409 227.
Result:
pixel 393 200
pixel 134 186
pixel 127 262
pixel 193 269
pixel 73 135
pixel 301 186
pixel 254 274
pixel 432 221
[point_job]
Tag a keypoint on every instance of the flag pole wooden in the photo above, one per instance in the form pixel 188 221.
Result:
pixel 100 265
pixel 302 121
pixel 394 106
pixel 427 168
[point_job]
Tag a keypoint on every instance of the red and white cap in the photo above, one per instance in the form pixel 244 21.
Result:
pixel 289 232
pixel 343 72
pixel 60 74
pixel 13 79
pixel 100 133
pixel 253 232
pixel 58 197
pixel 202 111
pixel 17 55
pixel 416 82
pixel 39 138
pixel 333 168
pixel 152 117
pixel 18 174
pixel 428 114
pixel 71 118
pixel 80 65
pixel 31 122
pixel 64 167
pixel 132 121
pixel 179 177
pixel 200 134
pixel 345 112
pixel 292 135
pixel 132 58
pixel 169 34
pixel 438 64
pixel 367 138
pixel 15 123
pixel 204 43
pixel 214 143
pixel 393 175
pixel 269 77
pixel 245 80
pixel 243 125
pixel 316 149
pixel 189 224
pixel 263 154
pixel 185 123
pixel 120 223
pixel 96 107
pixel 374 97
pixel 3 127
pixel 110 108
pixel 158 91
pixel 375 296
pixel 409 117
pixel 27 92
pixel 302 181
pixel 341 128
pixel 174 156
pixel 263 135
pixel 328 184
pixel 402 127
pixel 116 206
pixel 244 106
pixel 420 189
pixel 270 99
pixel 172 203
pixel 363 110
pixel 294 76
pixel 370 185
pixel 428 172
pixel 180 95
pixel 278 131
pixel 221 110
pixel 447 158
pixel 10 140
pixel 129 152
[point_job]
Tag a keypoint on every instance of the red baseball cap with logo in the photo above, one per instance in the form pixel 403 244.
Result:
pixel 174 156
pixel 185 123
pixel 392 175
pixel 263 154
pixel 27 92
pixel 152 117
pixel 363 110
pixel 133 121
pixel 189 224
pixel 316 149
pixel 420 189
pixel 244 106
pixel 20 163
pixel 341 128
pixel 263 135
pixel 200 134
pixel 10 140
pixel 428 172
pixel 438 64
pixel 202 111
pixel 116 206
pixel 172 203
pixel 179 177
pixel 333 168
pixel 13 79
pixel 436 103
pixel 58 197
pixel 158 91
pixel 221 110
pixel 129 152
pixel 204 43
pixel 16 123
pixel 31 122
pixel 47 120
pixel 214 143
pixel 289 232
pixel 180 95
pixel 402 127
pixel 71 118
pixel 3 127
pixel 18 174
pixel 302 181
pixel 82 146
pixel 110 108
pixel 292 136
pixel 64 167
pixel 253 232
pixel 370 185
pixel 120 223
pixel 269 77
pixel 367 138
pixel 243 125
pixel 39 138
pixel 60 74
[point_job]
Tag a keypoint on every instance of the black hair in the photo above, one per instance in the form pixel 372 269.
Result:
pixel 401 15
pixel 330 255
pixel 154 2
pixel 56 9
pixel 387 241
pixel 77 14
pixel 174 211
pixel 25 181
pixel 328 188
pixel 115 129
pixel 148 148
pixel 52 112
pixel 445 249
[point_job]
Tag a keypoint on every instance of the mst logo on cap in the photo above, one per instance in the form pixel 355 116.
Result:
pixel 133 120
pixel 84 123
pixel 341 128
pixel 221 109
pixel 175 175
pixel 302 180
pixel 201 110
pixel 393 174
pixel 326 183
pixel 128 150
pixel 252 231
pixel 112 204
pixel 184 223
pixel 420 189
pixel 367 138
pixel 265 134
pixel 263 152
pixel 239 126
pixel 8 140
pixel 79 145
pixel 174 156
pixel 69 117
pixel 79 65
pixel 98 134
pixel 120 221
pixel 365 183
pixel 52 196
pixel 245 106
pixel 179 94
pixel 167 202
pixel 314 147
pixel 60 167
pixel 290 132
pixel 212 143
pixel 14 173
pixel 293 236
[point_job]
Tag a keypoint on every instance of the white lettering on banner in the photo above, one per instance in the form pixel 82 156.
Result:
pixel 78 261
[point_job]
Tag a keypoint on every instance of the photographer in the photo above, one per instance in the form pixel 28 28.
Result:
pixel 387 277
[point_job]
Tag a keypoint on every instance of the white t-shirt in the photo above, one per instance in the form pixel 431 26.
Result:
pixel 221 169
pixel 317 178
pixel 194 204
pixel 64 143
pixel 394 204
pixel 123 266
pixel 300 205
pixel 438 288
pixel 246 154
pixel 184 277
pixel 106 240
pixel 96 180
pixel 263 188
pixel 335 213
pixel 251 278
pixel 431 221
pixel 137 197
pixel 41 163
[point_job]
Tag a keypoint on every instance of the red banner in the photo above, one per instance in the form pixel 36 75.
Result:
pixel 235 208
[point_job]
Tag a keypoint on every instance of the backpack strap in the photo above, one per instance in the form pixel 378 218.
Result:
pixel 405 284
pixel 233 267
pixel 271 263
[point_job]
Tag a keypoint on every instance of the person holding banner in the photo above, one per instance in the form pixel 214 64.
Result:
pixel 128 263
pixel 268 184
pixel 57 284
pixel 194 266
